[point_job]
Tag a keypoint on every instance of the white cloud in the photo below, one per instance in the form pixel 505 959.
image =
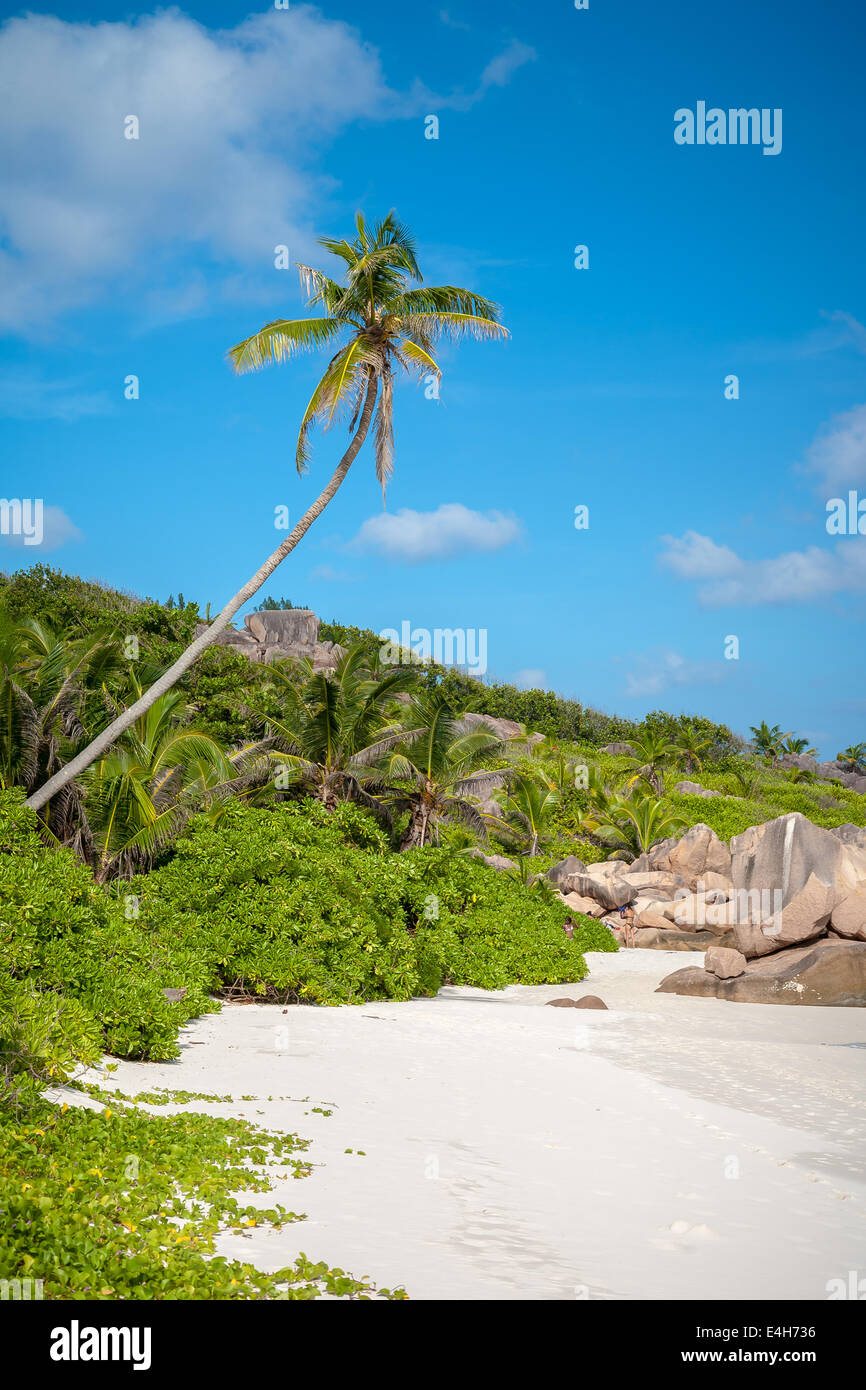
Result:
pixel 57 530
pixel 663 668
pixel 501 69
pixel 838 454
pixel 694 556
pixel 798 576
pixel 231 122
pixel 227 119
pixel 854 333
pixel 450 22
pixel 452 529
pixel 533 678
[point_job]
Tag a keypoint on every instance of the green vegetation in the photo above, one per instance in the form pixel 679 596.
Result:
pixel 119 1204
pixel 295 903
pixel 287 835
pixel 99 973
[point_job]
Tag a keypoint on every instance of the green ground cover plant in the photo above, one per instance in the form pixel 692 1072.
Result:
pixel 119 1204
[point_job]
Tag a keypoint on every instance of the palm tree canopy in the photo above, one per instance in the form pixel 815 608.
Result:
pixel 441 763
pixel 334 727
pixel 384 324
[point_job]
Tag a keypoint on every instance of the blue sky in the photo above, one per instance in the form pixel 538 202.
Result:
pixel 707 515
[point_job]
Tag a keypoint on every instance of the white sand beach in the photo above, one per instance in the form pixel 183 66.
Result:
pixel 667 1148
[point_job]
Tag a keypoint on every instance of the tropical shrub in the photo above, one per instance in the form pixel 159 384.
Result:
pixel 43 1038
pixel 61 933
pixel 286 905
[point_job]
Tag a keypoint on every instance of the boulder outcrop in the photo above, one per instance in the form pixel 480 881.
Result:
pixel 831 973
pixel 778 893
pixel 694 789
pixel 278 634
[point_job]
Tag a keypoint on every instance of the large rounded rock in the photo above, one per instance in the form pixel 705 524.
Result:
pixel 503 728
pixel 611 891
pixel 493 861
pixel 558 873
pixel 850 834
pixel 828 973
pixel 725 963
pixel 805 916
pixel 284 627
pixel 782 854
pixel 849 916
pixel 699 851
pixel 694 789
pixel 575 903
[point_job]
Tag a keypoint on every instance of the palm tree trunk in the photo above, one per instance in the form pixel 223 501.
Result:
pixel 125 720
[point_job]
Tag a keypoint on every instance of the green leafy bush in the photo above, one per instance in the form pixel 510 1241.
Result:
pixel 43 1037
pixel 591 935
pixel 287 905
pixel 68 938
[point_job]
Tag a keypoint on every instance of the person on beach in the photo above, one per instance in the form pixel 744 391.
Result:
pixel 626 916
pixel 568 928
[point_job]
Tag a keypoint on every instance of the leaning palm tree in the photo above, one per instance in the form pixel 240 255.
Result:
pixel 438 764
pixel 388 326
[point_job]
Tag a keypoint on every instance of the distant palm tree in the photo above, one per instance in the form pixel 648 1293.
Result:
pixel 529 806
pixel 46 683
pixel 690 746
pixel 390 327
pixel 748 779
pixel 797 746
pixel 524 874
pixel 439 763
pixel 768 741
pixel 854 756
pixel 651 753
pixel 558 766
pixel 139 794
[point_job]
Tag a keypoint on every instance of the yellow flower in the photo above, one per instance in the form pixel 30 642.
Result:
pixel 26 1186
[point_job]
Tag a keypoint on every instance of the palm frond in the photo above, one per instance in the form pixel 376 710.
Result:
pixel 280 340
